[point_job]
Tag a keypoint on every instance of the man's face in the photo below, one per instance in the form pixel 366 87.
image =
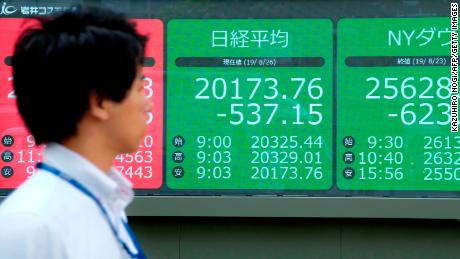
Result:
pixel 127 123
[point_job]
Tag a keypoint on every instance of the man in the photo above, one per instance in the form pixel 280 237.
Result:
pixel 79 89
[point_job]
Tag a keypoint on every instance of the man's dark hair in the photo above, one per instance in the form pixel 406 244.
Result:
pixel 60 62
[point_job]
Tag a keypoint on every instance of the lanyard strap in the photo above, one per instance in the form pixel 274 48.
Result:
pixel 140 253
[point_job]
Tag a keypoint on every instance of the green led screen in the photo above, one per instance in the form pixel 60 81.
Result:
pixel 249 104
pixel 393 105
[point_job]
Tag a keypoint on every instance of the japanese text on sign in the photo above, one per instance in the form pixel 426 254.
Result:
pixel 249 38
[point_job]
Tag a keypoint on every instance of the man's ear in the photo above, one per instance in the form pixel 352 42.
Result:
pixel 98 107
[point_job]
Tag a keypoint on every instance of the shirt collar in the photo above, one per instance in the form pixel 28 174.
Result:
pixel 113 189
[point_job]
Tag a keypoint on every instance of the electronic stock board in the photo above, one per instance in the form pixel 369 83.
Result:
pixel 291 107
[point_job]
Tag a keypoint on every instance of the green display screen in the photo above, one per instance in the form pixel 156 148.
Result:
pixel 249 104
pixel 393 105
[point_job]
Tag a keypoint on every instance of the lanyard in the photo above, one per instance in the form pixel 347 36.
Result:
pixel 140 253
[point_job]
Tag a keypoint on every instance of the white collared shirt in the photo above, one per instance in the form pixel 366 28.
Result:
pixel 49 218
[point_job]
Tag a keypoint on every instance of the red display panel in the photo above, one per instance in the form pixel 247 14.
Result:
pixel 18 153
pixel 144 168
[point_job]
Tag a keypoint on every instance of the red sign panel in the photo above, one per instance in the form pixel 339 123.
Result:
pixel 18 153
